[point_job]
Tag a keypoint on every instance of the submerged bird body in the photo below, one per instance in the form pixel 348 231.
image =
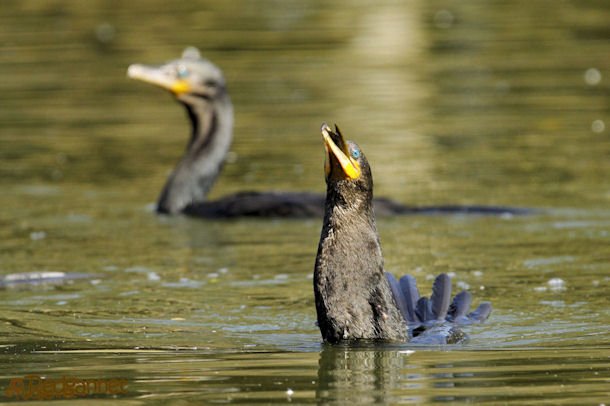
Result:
pixel 355 298
pixel 199 86
pixel 260 204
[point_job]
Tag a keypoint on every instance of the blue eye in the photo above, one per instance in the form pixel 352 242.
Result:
pixel 355 153
pixel 182 72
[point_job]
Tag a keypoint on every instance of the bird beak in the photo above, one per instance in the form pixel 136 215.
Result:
pixel 337 151
pixel 157 77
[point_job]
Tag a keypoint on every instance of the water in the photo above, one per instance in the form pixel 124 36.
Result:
pixel 475 103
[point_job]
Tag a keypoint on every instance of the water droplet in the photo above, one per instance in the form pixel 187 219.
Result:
pixel 463 285
pixel 38 235
pixel 444 19
pixel 556 284
pixel 593 76
pixel 105 33
pixel 598 126
pixel 407 352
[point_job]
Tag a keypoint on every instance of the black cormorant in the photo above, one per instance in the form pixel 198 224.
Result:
pixel 355 298
pixel 200 87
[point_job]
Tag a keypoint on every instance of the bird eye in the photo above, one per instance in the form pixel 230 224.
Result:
pixel 355 153
pixel 182 72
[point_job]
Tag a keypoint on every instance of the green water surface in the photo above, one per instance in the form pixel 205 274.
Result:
pixel 479 102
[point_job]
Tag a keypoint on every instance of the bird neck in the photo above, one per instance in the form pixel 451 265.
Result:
pixel 353 298
pixel 352 219
pixel 199 167
pixel 349 242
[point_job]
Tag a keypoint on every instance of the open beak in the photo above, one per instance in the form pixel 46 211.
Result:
pixel 337 153
pixel 157 77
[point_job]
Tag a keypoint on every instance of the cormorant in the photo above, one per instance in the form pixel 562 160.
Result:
pixel 355 298
pixel 200 87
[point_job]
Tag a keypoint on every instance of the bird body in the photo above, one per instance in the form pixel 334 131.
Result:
pixel 355 298
pixel 260 204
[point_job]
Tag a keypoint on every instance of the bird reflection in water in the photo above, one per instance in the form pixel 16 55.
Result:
pixel 371 374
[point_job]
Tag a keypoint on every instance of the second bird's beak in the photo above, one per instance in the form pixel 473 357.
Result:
pixel 337 152
pixel 157 77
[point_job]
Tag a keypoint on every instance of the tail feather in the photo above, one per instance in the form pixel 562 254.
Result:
pixel 423 310
pixel 460 306
pixel 398 296
pixel 427 316
pixel 408 286
pixel 441 296
pixel 481 313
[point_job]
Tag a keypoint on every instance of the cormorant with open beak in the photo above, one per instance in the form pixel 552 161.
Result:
pixel 355 298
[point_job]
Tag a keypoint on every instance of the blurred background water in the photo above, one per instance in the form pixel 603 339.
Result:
pixel 480 102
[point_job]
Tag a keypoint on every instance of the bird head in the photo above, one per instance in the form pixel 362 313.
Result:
pixel 346 168
pixel 189 76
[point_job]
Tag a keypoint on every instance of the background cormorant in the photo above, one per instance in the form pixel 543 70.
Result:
pixel 355 298
pixel 200 87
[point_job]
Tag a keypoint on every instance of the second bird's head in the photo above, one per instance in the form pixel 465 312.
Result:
pixel 346 168
pixel 189 78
